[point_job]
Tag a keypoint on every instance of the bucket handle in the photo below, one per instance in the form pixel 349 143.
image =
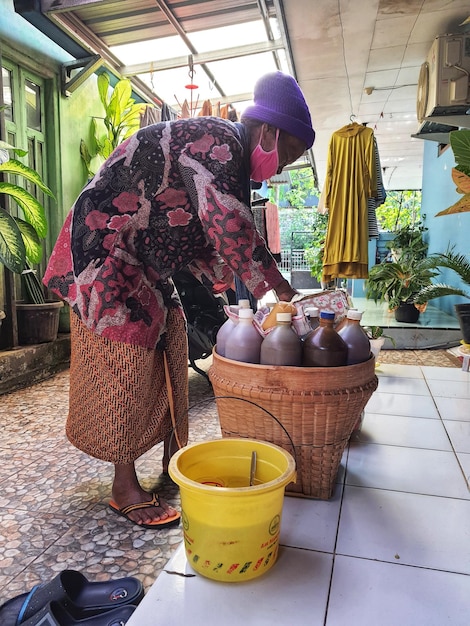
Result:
pixel 205 400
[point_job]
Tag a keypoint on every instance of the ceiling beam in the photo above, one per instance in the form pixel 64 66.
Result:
pixel 201 58
pixel 182 33
pixel 48 6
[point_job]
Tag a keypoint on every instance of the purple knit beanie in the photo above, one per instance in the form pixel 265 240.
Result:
pixel 278 100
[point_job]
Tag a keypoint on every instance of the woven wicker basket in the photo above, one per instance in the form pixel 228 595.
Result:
pixel 318 406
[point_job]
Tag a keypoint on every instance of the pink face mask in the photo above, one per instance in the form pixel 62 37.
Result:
pixel 264 164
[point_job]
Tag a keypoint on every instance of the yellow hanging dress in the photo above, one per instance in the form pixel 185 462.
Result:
pixel 350 180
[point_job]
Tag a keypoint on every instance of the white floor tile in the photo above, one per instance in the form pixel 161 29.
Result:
pixel 296 589
pixel 402 404
pixel 400 371
pixel 367 593
pixel 424 531
pixel 398 430
pixel 398 384
pixel 445 373
pixel 450 388
pixel 464 460
pixel 311 524
pixel 453 408
pixel 414 470
pixel 459 433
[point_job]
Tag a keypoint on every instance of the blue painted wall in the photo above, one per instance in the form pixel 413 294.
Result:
pixel 439 193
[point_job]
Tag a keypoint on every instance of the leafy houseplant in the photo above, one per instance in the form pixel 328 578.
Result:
pixel 121 120
pixel 460 264
pixel 408 243
pixel 20 239
pixel 377 339
pixel 460 144
pixel 315 252
pixel 376 332
pixel 20 242
pixel 398 283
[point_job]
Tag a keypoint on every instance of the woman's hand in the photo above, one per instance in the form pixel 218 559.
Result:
pixel 284 291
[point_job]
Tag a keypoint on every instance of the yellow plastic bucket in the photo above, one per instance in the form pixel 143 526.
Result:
pixel 231 529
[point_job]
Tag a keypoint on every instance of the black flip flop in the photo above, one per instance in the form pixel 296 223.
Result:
pixel 54 614
pixel 74 591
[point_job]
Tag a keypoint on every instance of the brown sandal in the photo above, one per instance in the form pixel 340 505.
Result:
pixel 155 501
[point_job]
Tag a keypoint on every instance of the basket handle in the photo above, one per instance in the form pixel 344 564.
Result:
pixel 205 400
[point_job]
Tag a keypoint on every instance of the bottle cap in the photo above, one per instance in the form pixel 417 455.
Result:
pixel 284 317
pixel 246 314
pixel 327 315
pixel 354 314
pixel 244 304
pixel 312 311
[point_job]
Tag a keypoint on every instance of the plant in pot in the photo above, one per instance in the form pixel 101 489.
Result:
pixel 460 264
pixel 408 243
pixel 398 283
pixel 377 339
pixel 21 247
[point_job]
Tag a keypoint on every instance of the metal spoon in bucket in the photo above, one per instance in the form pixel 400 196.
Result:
pixel 252 468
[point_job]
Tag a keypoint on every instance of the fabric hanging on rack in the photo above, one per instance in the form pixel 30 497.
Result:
pixel 185 112
pixel 224 112
pixel 373 203
pixel 351 179
pixel 206 109
pixel 151 115
pixel 167 113
pixel 273 231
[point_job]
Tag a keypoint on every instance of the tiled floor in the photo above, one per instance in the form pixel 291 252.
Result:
pixel 391 547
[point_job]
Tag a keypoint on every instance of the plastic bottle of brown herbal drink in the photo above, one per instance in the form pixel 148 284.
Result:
pixel 282 346
pixel 323 347
pixel 228 326
pixel 356 339
pixel 244 342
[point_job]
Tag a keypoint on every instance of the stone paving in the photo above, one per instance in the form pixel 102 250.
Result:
pixel 53 498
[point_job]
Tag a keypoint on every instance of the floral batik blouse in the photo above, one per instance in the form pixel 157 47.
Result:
pixel 174 195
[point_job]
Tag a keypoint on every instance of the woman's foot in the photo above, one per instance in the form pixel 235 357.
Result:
pixel 136 504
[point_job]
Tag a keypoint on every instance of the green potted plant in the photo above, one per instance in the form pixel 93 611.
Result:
pixel 408 243
pixel 21 247
pixel 377 339
pixel 121 120
pixel 398 283
pixel 398 280
pixel 460 264
pixel 315 252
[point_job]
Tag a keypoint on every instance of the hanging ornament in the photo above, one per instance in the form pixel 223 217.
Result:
pixel 189 109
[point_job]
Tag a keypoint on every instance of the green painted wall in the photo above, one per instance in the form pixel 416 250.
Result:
pixel 75 113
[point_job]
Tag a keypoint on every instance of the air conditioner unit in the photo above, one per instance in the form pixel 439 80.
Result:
pixel 444 79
